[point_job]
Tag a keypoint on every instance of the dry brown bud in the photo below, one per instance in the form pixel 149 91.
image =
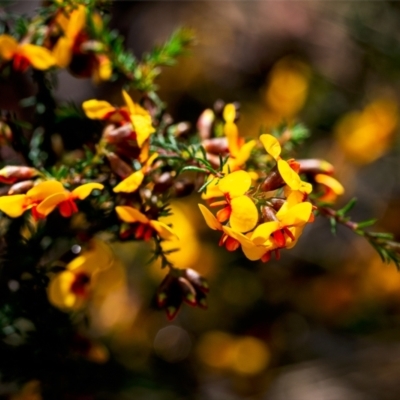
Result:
pixel 272 181
pixel 21 187
pixel 118 166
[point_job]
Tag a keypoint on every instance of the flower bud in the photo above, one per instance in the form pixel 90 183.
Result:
pixel 114 135
pixel 21 187
pixel 163 182
pixel 118 166
pixel 183 187
pixel 179 129
pixel 268 214
pixel 205 123
pixel 314 166
pixel 216 145
pixel 13 173
pixel 272 181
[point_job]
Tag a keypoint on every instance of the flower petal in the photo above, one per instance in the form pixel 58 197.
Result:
pixel 290 177
pixel 60 294
pixel 131 215
pixel 263 232
pixel 271 145
pixel 236 184
pixel 143 128
pixel 40 57
pixel 77 21
pixel 297 215
pixel 8 46
pixel 163 230
pixel 212 189
pixel 95 109
pixel 229 113
pixel 83 191
pixel 62 51
pixel 330 182
pixel 129 102
pixel 211 221
pixel 44 189
pixel 244 153
pixel 254 253
pixel 51 202
pixel 244 215
pixel 131 183
pixel 13 205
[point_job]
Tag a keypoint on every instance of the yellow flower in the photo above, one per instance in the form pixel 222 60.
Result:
pixel 366 135
pixel 144 227
pixel 93 273
pixel 133 181
pixel 285 168
pixel 288 88
pixel 44 198
pixel 25 54
pixel 131 113
pixel 239 208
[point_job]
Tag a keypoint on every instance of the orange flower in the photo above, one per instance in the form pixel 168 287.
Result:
pixel 132 113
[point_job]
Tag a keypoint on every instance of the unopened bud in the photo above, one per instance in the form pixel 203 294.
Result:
pixel 188 291
pixel 114 135
pixel 219 106
pixel 12 173
pixel 21 187
pixel 272 181
pixel 268 214
pixel 314 167
pixel 118 166
pixel 204 124
pixel 277 202
pixel 183 187
pixel 216 145
pixel 179 129
pixel 163 182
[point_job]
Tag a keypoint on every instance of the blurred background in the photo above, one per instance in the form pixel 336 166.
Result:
pixel 324 321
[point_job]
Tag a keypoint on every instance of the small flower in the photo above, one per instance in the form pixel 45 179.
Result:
pixel 25 55
pixel 331 187
pixel 239 208
pixel 132 113
pixel 43 198
pixel 287 169
pixel 93 273
pixel 182 285
pixel 144 228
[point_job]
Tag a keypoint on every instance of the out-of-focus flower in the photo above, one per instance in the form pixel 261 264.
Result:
pixel 331 188
pixel 287 89
pixel 30 391
pixel 76 50
pixel 44 198
pixel 365 135
pixel 244 355
pixel 25 55
pixel 95 272
pixel 182 285
pixel 132 113
pixel 144 228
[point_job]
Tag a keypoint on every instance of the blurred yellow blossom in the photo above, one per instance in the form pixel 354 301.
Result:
pixel 366 135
